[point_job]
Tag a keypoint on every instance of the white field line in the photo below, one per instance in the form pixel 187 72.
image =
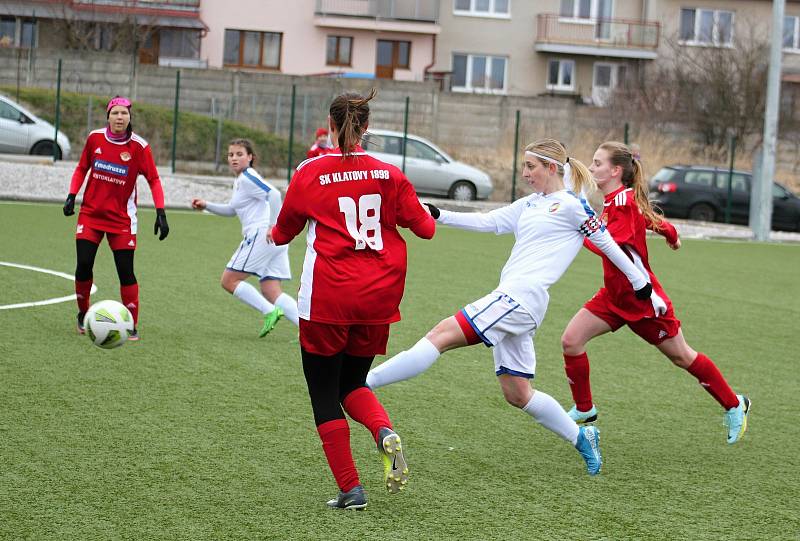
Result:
pixel 54 300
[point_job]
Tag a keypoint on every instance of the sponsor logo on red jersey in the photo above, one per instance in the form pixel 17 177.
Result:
pixel 108 167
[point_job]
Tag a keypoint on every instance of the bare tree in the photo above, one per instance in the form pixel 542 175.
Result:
pixel 718 91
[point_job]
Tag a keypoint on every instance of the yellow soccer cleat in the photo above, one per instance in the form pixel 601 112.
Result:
pixel 395 467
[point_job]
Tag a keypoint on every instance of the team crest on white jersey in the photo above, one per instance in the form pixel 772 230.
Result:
pixel 125 156
pixel 80 229
pixel 553 207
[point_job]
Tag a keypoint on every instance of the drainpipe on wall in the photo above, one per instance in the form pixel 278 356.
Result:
pixel 433 59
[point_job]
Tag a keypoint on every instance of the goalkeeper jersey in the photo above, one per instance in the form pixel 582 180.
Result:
pixel 355 264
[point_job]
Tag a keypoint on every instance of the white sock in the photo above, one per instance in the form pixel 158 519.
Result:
pixel 549 413
pixel 404 365
pixel 289 307
pixel 252 297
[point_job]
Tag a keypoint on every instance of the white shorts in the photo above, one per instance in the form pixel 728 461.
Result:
pixel 500 322
pixel 256 256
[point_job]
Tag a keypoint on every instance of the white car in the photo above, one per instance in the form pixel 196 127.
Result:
pixel 429 168
pixel 22 132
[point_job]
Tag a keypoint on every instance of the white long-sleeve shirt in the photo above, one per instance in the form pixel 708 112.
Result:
pixel 255 201
pixel 549 231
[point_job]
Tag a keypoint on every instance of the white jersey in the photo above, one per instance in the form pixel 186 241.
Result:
pixel 549 231
pixel 255 201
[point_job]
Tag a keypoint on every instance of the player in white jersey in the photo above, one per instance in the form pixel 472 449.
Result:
pixel 256 203
pixel 550 226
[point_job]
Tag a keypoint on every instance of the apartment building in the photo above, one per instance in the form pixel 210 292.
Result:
pixel 586 48
pixel 166 32
pixel 365 38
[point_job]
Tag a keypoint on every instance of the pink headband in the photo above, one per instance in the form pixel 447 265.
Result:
pixel 119 100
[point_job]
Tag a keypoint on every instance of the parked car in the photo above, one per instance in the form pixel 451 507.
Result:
pixel 22 132
pixel 429 168
pixel 701 193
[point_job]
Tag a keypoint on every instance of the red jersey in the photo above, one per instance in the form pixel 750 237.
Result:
pixel 317 150
pixel 355 265
pixel 109 201
pixel 628 226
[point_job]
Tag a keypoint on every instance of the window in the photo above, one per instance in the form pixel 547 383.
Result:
pixel 383 143
pixel 701 178
pixel 337 51
pixel 561 75
pixel 252 49
pixel 791 33
pixel 482 8
pixel 706 27
pixel 9 113
pixel 586 10
pixel 17 32
pixel 479 73
pixel 739 182
pixel 422 151
pixel 174 43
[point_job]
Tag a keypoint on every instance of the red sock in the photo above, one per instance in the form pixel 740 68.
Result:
pixel 577 369
pixel 130 298
pixel 335 436
pixel 83 289
pixel 363 407
pixel 712 381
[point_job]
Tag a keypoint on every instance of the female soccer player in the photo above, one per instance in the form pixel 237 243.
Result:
pixel 114 157
pixel 257 203
pixel 351 287
pixel 628 213
pixel 549 226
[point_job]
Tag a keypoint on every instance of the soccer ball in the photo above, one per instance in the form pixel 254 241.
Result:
pixel 108 324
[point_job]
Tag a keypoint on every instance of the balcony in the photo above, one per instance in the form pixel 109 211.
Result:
pixel 416 16
pixel 620 38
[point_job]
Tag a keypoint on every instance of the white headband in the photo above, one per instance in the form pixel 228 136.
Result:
pixel 545 158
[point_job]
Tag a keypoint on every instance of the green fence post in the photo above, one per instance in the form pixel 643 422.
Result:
pixel 291 135
pixel 627 129
pixel 405 132
pixel 730 181
pixel 58 112
pixel 175 118
pixel 516 153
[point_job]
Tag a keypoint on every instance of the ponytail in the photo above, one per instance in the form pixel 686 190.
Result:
pixel 350 115
pixel 581 178
pixel 633 177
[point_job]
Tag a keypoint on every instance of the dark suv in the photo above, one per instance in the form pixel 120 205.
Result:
pixel 701 193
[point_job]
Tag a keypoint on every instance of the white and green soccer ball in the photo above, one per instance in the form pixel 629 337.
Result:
pixel 108 324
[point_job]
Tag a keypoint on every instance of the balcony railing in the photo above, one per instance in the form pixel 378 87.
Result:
pixel 398 10
pixel 604 33
pixel 192 5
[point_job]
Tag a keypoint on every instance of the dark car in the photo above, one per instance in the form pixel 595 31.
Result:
pixel 701 193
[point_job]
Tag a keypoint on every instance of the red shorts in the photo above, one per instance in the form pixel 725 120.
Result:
pixel 329 339
pixel 654 330
pixel 117 241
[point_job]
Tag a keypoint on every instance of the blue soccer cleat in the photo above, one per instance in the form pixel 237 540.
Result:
pixel 355 498
pixel 582 417
pixel 736 419
pixel 588 446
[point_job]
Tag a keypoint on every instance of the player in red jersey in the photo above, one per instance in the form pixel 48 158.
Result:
pixel 350 290
pixel 113 157
pixel 321 144
pixel 628 214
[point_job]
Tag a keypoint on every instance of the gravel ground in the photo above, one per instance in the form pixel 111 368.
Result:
pixel 27 178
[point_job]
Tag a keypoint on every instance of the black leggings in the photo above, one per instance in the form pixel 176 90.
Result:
pixel 123 259
pixel 331 379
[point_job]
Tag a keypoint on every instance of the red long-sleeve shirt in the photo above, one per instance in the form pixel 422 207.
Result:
pixel 109 201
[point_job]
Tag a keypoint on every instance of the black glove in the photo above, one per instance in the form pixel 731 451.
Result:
pixel 434 211
pixel 161 223
pixel 69 205
pixel 644 293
